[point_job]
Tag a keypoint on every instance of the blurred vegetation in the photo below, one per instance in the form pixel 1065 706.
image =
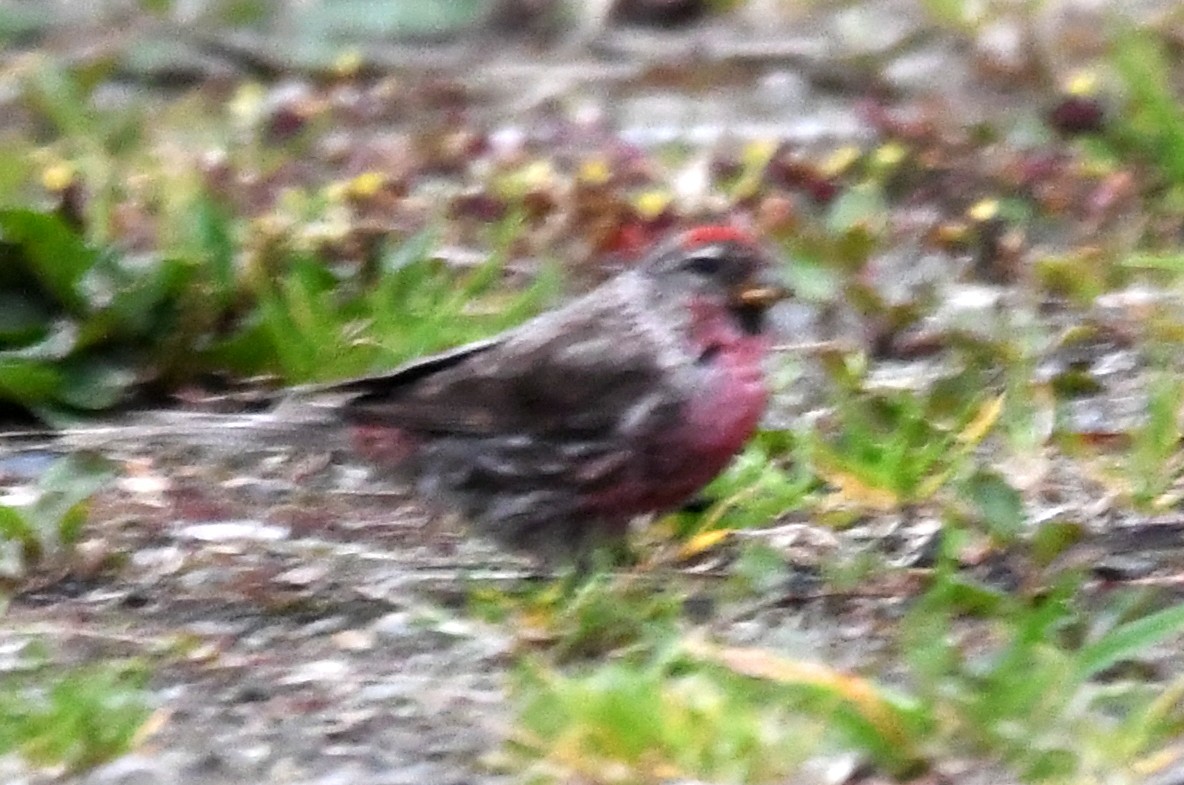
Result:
pixel 73 717
pixel 84 328
pixel 46 530
pixel 667 706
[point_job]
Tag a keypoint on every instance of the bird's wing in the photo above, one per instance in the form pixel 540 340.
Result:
pixel 583 370
pixel 405 374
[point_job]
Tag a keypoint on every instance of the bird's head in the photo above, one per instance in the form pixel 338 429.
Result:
pixel 722 265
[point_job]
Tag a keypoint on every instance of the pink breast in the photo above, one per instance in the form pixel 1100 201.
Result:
pixel 724 416
pixel 721 415
pixel 732 395
pixel 726 413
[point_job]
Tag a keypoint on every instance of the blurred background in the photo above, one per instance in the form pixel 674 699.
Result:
pixel 220 143
pixel 951 554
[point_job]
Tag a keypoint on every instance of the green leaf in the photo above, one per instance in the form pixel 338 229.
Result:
pixel 15 527
pixel 1130 639
pixel 862 207
pixel 1169 262
pixel 247 352
pixel 28 382
pixel 999 506
pixel 95 384
pixel 55 345
pixel 61 98
pixel 67 485
pixel 812 280
pixel 1053 538
pixel 1155 120
pixel 22 319
pixel 52 251
pixel 144 299
pixel 212 239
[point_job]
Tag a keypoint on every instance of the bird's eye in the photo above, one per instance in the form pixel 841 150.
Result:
pixel 703 265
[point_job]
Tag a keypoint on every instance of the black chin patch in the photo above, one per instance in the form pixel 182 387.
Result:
pixel 750 318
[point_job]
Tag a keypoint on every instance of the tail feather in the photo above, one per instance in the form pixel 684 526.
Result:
pixel 301 424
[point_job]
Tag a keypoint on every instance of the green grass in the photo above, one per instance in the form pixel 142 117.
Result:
pixel 766 480
pixel 76 717
pixel 1153 465
pixel 88 332
pixel 413 305
pixel 1152 125
pixel 892 449
pixel 47 530
pixel 1031 694
pixel 585 617
pixel 1028 695
pixel 655 722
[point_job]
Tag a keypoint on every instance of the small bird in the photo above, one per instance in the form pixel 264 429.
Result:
pixel 552 436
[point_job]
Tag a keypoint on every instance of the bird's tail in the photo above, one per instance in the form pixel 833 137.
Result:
pixel 298 423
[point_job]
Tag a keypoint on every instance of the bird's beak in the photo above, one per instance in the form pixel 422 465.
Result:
pixel 760 295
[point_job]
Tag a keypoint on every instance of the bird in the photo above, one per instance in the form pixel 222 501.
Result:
pixel 551 437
